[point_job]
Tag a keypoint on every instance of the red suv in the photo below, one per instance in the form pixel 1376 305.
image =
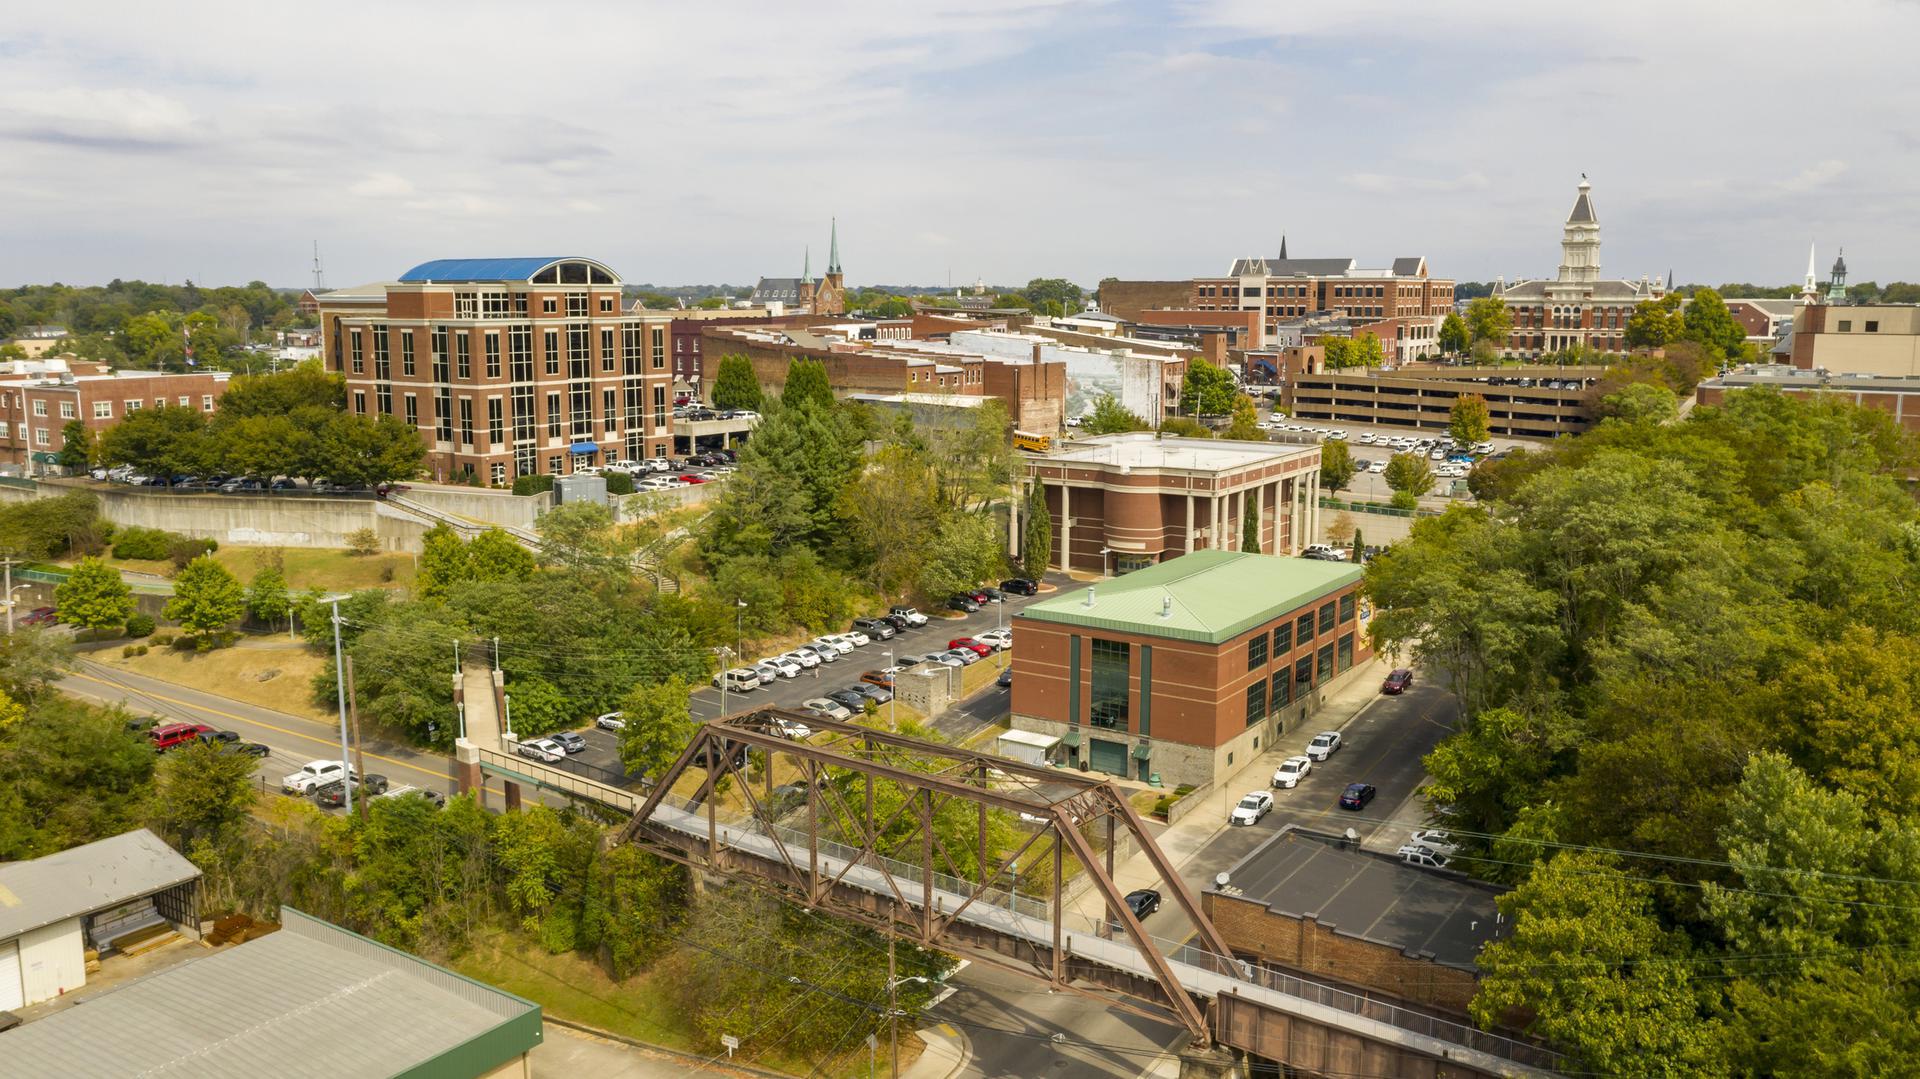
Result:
pixel 978 648
pixel 177 734
pixel 41 616
pixel 1398 681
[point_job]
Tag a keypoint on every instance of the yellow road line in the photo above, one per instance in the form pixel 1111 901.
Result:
pixel 331 744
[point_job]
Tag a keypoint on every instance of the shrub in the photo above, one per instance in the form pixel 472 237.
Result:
pixel 140 625
pixel 163 639
pixel 130 651
pixel 532 485
pixel 619 483
pixel 146 544
pixel 185 549
pixel 363 542
pixel 139 649
pixel 1405 500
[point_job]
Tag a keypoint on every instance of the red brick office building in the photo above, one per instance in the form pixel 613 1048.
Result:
pixel 507 366
pixel 1189 668
pixel 1124 502
pixel 35 408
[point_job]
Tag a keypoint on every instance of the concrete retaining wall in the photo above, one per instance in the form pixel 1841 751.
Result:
pixel 245 520
pixel 492 507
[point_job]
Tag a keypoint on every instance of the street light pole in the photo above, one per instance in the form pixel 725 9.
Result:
pixel 893 693
pixel 723 651
pixel 739 627
pixel 340 690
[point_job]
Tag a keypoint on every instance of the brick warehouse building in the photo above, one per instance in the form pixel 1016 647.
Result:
pixel 35 408
pixel 507 366
pixel 1123 502
pixel 1187 668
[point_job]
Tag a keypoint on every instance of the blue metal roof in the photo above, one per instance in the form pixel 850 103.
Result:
pixel 507 269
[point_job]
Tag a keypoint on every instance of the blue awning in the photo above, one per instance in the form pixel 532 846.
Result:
pixel 585 449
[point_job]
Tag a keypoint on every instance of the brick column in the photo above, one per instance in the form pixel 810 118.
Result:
pixel 1066 529
pixel 512 790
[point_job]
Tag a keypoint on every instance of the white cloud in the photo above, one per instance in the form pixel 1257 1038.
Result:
pixel 381 185
pixel 1817 175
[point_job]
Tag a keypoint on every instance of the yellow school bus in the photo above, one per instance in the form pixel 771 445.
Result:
pixel 1032 443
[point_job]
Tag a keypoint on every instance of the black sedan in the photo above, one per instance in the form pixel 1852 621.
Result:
pixel 1142 903
pixel 1021 586
pixel 247 749
pixel 335 793
pixel 851 699
pixel 1357 795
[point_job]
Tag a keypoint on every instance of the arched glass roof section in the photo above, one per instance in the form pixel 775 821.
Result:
pixel 570 270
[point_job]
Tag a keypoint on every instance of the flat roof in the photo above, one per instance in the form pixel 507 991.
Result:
pixel 1144 449
pixel 1372 896
pixel 310 1000
pixel 1029 738
pixel 84 879
pixel 1208 596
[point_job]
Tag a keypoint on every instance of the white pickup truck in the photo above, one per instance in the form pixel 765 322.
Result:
pixel 313 774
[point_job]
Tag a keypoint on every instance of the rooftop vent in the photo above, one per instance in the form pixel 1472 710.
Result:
pixel 1166 606
pixel 1089 595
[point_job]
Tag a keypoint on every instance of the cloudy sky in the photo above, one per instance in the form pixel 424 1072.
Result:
pixel 1005 139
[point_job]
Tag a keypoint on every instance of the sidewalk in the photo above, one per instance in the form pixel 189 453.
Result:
pixel 1182 841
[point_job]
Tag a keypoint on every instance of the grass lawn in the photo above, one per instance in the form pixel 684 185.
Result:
pixel 237 672
pixel 305 567
pixel 640 1008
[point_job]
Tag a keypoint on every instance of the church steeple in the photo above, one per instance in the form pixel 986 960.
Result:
pixel 833 251
pixel 1283 247
pixel 1810 289
pixel 1837 284
pixel 806 265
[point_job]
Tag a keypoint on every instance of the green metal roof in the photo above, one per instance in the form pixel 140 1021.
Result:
pixel 1214 595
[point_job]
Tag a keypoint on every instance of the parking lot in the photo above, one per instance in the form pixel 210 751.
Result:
pixel 601 758
pixel 1369 486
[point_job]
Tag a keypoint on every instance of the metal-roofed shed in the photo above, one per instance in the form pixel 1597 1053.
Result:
pixel 53 909
pixel 311 1000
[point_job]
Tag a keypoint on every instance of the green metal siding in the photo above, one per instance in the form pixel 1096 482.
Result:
pixel 1146 690
pixel 1073 680
pixel 482 1054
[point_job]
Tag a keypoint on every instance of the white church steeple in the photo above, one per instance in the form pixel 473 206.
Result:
pixel 1810 289
pixel 1580 245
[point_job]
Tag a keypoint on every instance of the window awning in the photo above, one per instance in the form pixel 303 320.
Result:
pixel 1142 751
pixel 1072 737
pixel 583 448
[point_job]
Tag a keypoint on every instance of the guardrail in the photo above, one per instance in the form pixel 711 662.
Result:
pixel 1380 508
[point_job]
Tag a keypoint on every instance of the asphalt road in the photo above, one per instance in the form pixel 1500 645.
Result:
pixel 1016 1029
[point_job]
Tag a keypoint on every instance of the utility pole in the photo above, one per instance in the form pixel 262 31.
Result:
pixel 340 689
pixel 893 1013
pixel 723 651
pixel 359 758
pixel 9 572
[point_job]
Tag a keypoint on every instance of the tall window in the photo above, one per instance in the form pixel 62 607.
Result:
pixel 610 410
pixel 1346 651
pixel 659 407
pixel 463 356
pixel 553 415
pixel 496 422
pixel 359 363
pixel 406 353
pixel 493 353
pixel 1323 669
pixel 1303 672
pixel 1256 701
pixel 1282 687
pixel 1326 617
pixel 659 348
pixel 551 340
pixel 1346 607
pixel 466 421
pixel 630 348
pixel 579 360
pixel 1107 706
pixel 607 351
pixel 1303 629
pixel 440 354
pixel 520 353
pixel 1282 639
pixel 443 414
pixel 413 410
pixel 383 398
pixel 382 361
pixel 523 415
pixel 580 409
pixel 1257 652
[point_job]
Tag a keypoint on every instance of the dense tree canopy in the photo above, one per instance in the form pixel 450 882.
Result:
pixel 1692 645
pixel 1110 417
pixel 734 383
pixel 1489 320
pixel 1207 390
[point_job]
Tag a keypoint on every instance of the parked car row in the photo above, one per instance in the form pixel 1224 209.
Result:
pixel 165 736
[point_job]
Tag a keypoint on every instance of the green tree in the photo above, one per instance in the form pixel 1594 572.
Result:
pixel 1110 418
pixel 94 597
pixel 206 597
pixel 1207 390
pixel 658 726
pixel 443 562
pixel 76 445
pixel 1337 352
pixel 1706 320
pixel 1037 548
pixel 581 536
pixel 494 555
pixel 1063 294
pixel 1454 338
pixel 31 659
pixel 806 385
pixel 1590 962
pixel 200 792
pixel 1359 548
pixel 734 384
pixel 1654 323
pixel 1246 421
pixel 966 551
pixel 1185 427
pixel 1336 465
pixel 305 385
pixel 1641 402
pixel 1250 528
pixel 1408 473
pixel 158 441
pixel 1467 419
pixel 267 596
pixel 1489 320
pixel 152 341
pixel 1366 351
pixel 12 714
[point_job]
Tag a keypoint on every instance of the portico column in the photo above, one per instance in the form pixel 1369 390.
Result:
pixel 1219 520
pixel 1189 522
pixel 1066 531
pixel 1313 506
pixel 1259 514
